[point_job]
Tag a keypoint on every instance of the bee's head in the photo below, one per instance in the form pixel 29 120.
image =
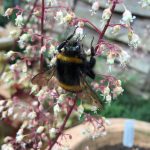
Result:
pixel 73 48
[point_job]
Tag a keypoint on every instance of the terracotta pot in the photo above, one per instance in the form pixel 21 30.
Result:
pixel 114 136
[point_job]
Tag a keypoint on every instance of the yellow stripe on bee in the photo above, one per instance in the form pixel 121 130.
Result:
pixel 72 88
pixel 69 59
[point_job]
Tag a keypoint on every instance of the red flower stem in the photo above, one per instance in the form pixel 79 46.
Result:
pixel 63 125
pixel 29 17
pixel 90 23
pixel 106 26
pixel 42 32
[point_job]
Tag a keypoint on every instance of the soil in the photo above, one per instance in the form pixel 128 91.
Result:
pixel 121 147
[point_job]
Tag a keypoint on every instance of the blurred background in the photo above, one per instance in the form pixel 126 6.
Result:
pixel 135 101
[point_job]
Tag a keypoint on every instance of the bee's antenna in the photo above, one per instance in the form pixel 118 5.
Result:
pixel 92 41
pixel 71 36
pixel 92 48
pixel 66 41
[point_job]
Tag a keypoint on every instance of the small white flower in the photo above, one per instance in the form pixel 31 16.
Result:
pixel 4 114
pixel 35 103
pixel 43 49
pixel 7 139
pixel 7 146
pixel 9 54
pixel 52 132
pixel 56 109
pixel 8 12
pixel 19 20
pixel 106 91
pixel 106 14
pixel 134 39
pixel 115 30
pixel 94 109
pixel 123 57
pixel 79 33
pixel 20 131
pixel 52 50
pixel 95 7
pixel 59 17
pixel 127 17
pixel 53 61
pixel 81 24
pixel 118 90
pixel 68 18
pixel 24 125
pixel 33 88
pixel 42 91
pixel 40 129
pixel 24 39
pixel 2 102
pixel 10 111
pixel 110 60
pixel 14 33
pixel 61 98
pixel 80 110
pixel 32 115
pixel 40 144
pixel 9 103
pixel 108 98
pixel 19 138
pixel 15 116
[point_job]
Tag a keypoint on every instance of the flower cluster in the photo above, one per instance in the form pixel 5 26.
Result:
pixel 45 110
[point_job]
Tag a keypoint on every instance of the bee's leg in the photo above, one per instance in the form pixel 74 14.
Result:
pixel 66 41
pixel 92 59
pixel 90 64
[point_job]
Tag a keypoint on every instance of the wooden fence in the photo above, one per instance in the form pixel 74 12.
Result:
pixel 137 73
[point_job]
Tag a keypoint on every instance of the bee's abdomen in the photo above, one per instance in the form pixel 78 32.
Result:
pixel 69 59
pixel 68 72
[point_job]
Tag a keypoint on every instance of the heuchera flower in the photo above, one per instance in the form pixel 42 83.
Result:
pixel 106 14
pixel 59 17
pixel 19 20
pixel 7 146
pixel 52 132
pixel 8 12
pixel 134 39
pixel 24 39
pixel 127 17
pixel 95 7
pixel 79 33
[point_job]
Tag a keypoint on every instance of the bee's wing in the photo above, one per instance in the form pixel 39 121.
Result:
pixel 89 94
pixel 43 78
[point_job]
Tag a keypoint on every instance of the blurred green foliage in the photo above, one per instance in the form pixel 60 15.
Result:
pixel 128 106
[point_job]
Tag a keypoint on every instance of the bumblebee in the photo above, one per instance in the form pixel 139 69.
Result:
pixel 71 70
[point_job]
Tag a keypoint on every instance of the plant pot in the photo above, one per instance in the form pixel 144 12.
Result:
pixel 113 137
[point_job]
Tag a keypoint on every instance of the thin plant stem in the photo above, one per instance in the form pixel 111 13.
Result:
pixel 106 26
pixel 30 15
pixel 63 125
pixel 42 32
